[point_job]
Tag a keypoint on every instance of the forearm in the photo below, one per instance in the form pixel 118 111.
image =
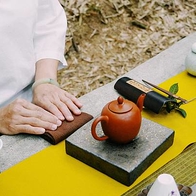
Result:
pixel 46 68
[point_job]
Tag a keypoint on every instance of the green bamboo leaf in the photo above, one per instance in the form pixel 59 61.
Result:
pixel 174 88
pixel 182 112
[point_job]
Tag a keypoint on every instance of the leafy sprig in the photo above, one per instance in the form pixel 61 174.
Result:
pixel 175 105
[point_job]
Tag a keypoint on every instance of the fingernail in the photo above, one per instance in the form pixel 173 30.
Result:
pixel 69 118
pixel 41 131
pixel 59 122
pixel 54 127
pixel 61 117
pixel 79 112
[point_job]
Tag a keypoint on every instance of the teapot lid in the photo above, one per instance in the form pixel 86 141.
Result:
pixel 120 106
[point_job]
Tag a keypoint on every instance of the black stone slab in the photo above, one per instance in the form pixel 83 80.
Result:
pixel 124 163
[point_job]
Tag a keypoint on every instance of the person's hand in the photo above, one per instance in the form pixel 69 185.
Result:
pixel 22 116
pixel 57 101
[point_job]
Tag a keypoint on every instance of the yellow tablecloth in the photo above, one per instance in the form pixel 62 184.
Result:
pixel 53 173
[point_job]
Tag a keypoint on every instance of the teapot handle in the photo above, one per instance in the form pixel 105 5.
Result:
pixel 93 128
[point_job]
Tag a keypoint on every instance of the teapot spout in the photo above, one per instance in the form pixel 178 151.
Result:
pixel 140 101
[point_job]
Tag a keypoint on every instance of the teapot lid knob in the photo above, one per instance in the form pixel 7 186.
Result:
pixel 120 106
pixel 120 100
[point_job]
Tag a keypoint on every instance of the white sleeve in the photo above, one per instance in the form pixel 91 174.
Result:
pixel 50 31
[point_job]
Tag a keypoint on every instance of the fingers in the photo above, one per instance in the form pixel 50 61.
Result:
pixel 73 99
pixel 31 110
pixel 53 105
pixel 59 102
pixel 61 107
pixel 30 129
pixel 68 104
pixel 34 125
pixel 24 117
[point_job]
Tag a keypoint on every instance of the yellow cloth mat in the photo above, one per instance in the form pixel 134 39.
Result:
pixel 185 128
pixel 183 173
pixel 53 173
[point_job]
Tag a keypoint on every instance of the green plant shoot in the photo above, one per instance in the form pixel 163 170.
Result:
pixel 175 105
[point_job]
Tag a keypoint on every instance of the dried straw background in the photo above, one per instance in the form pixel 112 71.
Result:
pixel 108 38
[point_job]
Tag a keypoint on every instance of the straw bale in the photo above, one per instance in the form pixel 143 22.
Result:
pixel 108 38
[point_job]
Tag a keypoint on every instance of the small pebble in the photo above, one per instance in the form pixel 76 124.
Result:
pixel 145 191
pixel 187 190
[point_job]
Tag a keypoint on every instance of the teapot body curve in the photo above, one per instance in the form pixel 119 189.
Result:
pixel 122 131
pixel 120 120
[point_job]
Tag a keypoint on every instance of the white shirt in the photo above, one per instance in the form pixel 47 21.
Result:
pixel 30 30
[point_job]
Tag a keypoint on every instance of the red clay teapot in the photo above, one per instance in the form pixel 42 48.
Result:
pixel 120 120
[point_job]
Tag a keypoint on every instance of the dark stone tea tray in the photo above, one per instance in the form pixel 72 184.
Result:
pixel 124 163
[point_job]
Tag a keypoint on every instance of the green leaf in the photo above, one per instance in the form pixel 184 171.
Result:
pixel 174 88
pixel 174 104
pixel 169 107
pixel 182 112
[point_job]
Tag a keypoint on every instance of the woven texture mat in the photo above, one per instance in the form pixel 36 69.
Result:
pixel 182 168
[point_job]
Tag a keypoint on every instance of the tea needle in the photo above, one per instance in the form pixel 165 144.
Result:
pixel 166 92
pixel 188 101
